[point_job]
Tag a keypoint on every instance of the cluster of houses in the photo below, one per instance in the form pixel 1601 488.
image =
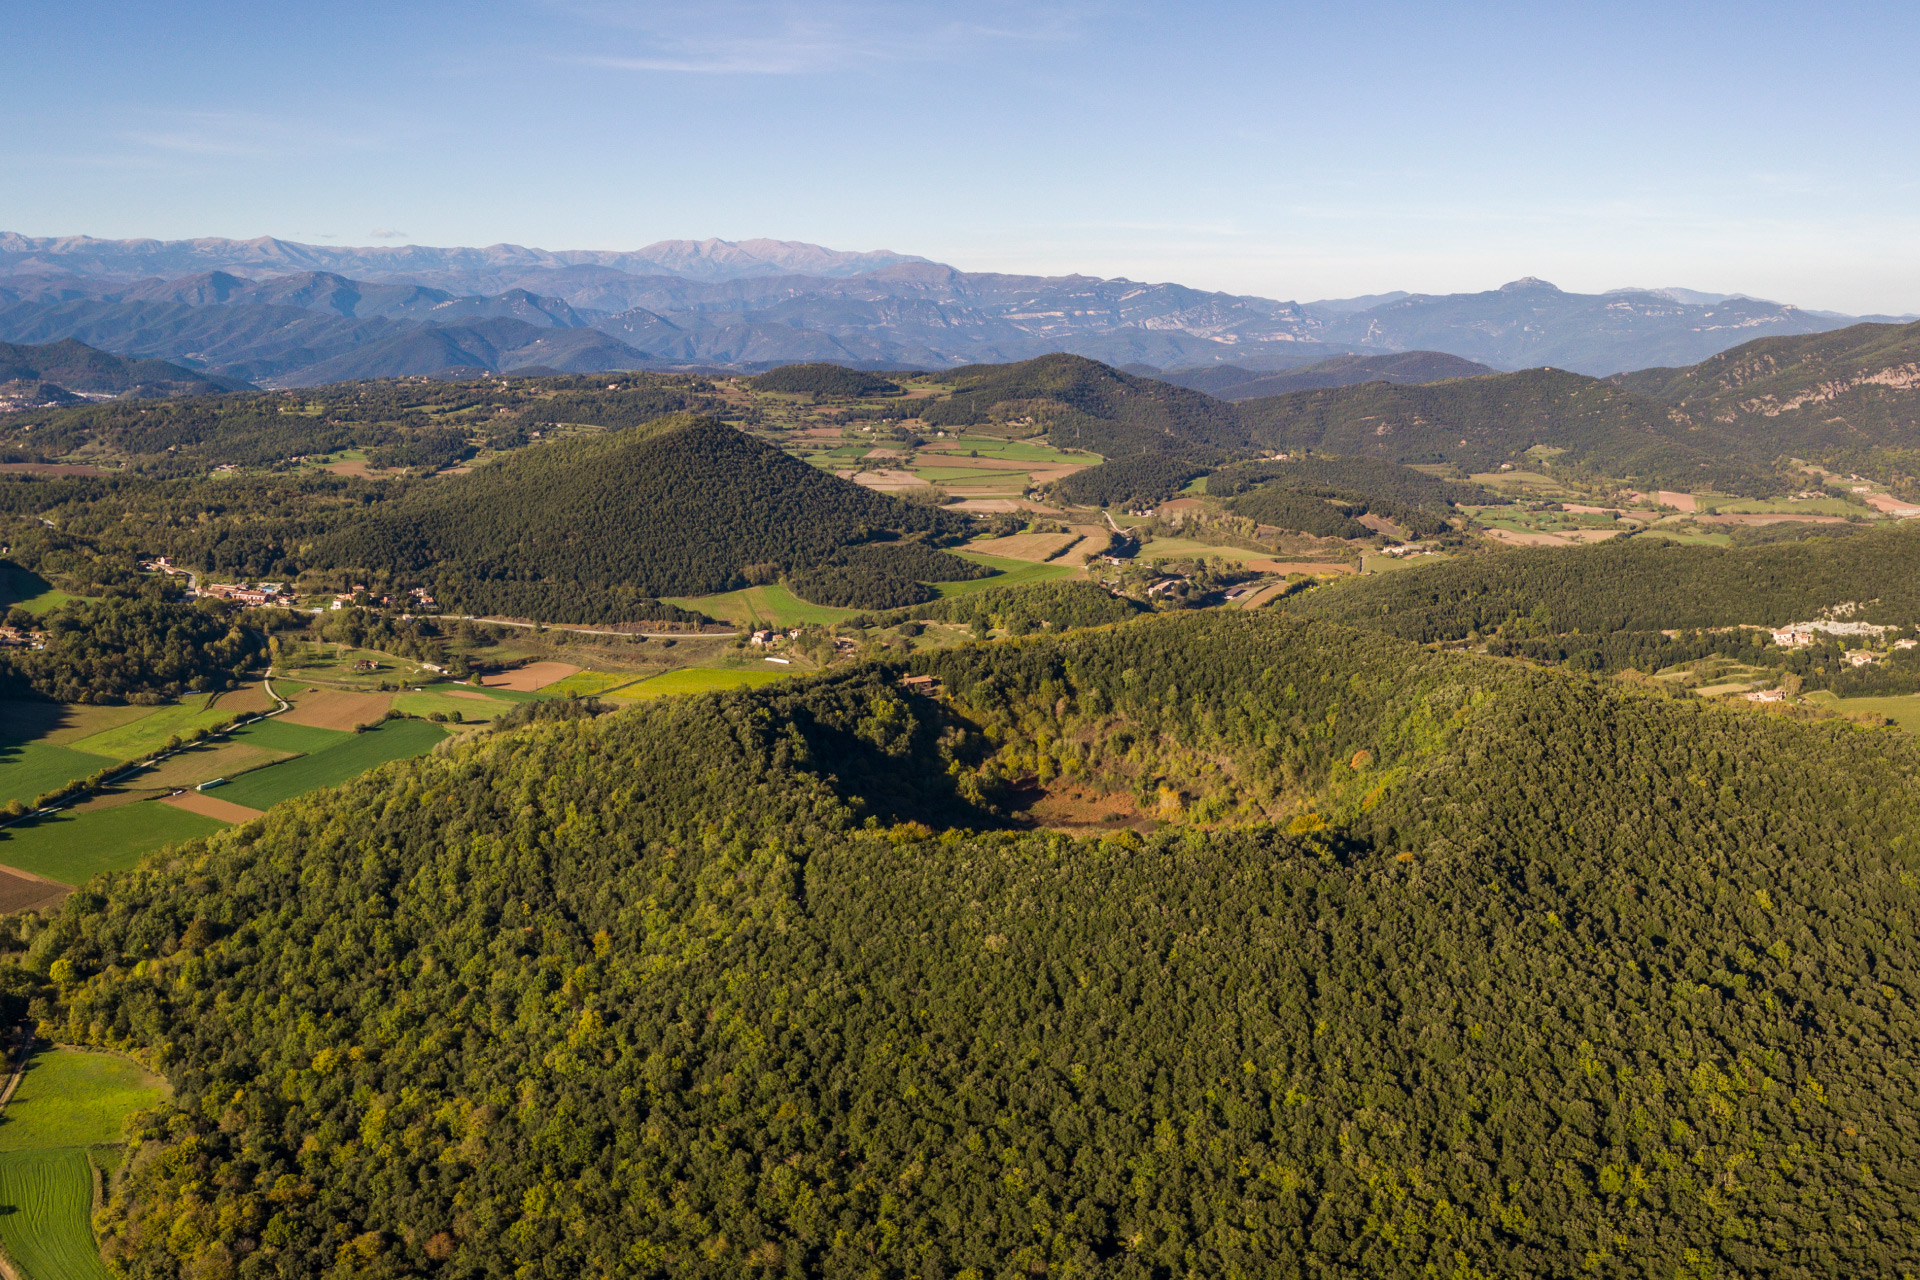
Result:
pixel 18 638
pixel 767 639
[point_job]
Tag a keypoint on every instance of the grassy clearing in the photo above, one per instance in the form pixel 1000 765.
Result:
pixel 587 683
pixel 700 680
pixel 46 1210
pixel 769 606
pixel 72 1098
pixel 73 847
pixel 1903 711
pixel 1788 506
pixel 150 732
pixel 32 768
pixel 1688 537
pixel 1012 573
pixel 29 590
pixel 203 764
pixel 297 739
pixel 471 710
pixel 359 752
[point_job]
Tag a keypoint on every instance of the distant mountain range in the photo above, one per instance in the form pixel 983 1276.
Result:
pixel 68 372
pixel 280 313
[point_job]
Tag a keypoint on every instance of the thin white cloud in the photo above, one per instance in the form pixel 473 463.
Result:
pixel 388 235
pixel 774 38
pixel 226 134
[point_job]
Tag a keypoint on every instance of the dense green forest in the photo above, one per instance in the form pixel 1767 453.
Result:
pixel 133 650
pixel 1439 965
pixel 1639 584
pixel 416 421
pixel 1479 423
pixel 824 380
pixel 683 506
pixel 1059 605
pixel 883 575
pixel 1847 389
pixel 1144 479
pixel 1083 404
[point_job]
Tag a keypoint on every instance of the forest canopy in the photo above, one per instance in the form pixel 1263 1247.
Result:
pixel 1435 964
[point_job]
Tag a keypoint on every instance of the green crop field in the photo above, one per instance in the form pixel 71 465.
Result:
pixel 472 710
pixel 73 1098
pixel 32 768
pixel 29 590
pixel 585 683
pixel 770 606
pixel 701 680
pixel 1012 573
pixel 1903 711
pixel 46 1207
pixel 150 732
pixel 970 475
pixel 357 753
pixel 72 847
pixel 279 735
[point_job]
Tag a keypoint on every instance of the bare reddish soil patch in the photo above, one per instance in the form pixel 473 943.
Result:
pixel 338 708
pixel 211 807
pixel 532 677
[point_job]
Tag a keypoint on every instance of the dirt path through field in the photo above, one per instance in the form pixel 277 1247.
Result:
pixel 211 807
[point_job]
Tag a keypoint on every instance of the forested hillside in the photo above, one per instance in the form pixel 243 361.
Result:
pixel 1479 423
pixel 1524 976
pixel 1083 404
pixel 595 527
pixel 1638 585
pixel 1854 389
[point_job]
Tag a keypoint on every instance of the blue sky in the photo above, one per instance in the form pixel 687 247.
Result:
pixel 1288 150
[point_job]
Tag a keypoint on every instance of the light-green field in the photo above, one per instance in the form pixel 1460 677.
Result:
pixel 352 755
pixel 1012 573
pixel 1903 711
pixel 700 680
pixel 472 710
pixel 68 1100
pixel 72 847
pixel 150 732
pixel 29 590
pixel 588 683
pixel 46 1206
pixel 73 1098
pixel 300 739
pixel 33 768
pixel 768 606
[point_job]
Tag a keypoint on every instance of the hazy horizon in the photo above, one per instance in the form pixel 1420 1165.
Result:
pixel 1284 152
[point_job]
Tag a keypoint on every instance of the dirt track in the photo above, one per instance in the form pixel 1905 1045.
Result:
pixel 211 807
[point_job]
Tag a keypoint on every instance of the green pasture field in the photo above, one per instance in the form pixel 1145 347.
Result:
pixel 1190 549
pixel 1524 479
pixel 958 476
pixel 1688 537
pixel 1903 711
pixel 1013 451
pixel 30 769
pixel 764 606
pixel 335 666
pixel 73 1098
pixel 1387 564
pixel 24 587
pixel 587 683
pixel 701 680
pixel 333 765
pixel 300 739
pixel 1788 506
pixel 150 732
pixel 46 1211
pixel 72 847
pixel 472 710
pixel 1012 573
